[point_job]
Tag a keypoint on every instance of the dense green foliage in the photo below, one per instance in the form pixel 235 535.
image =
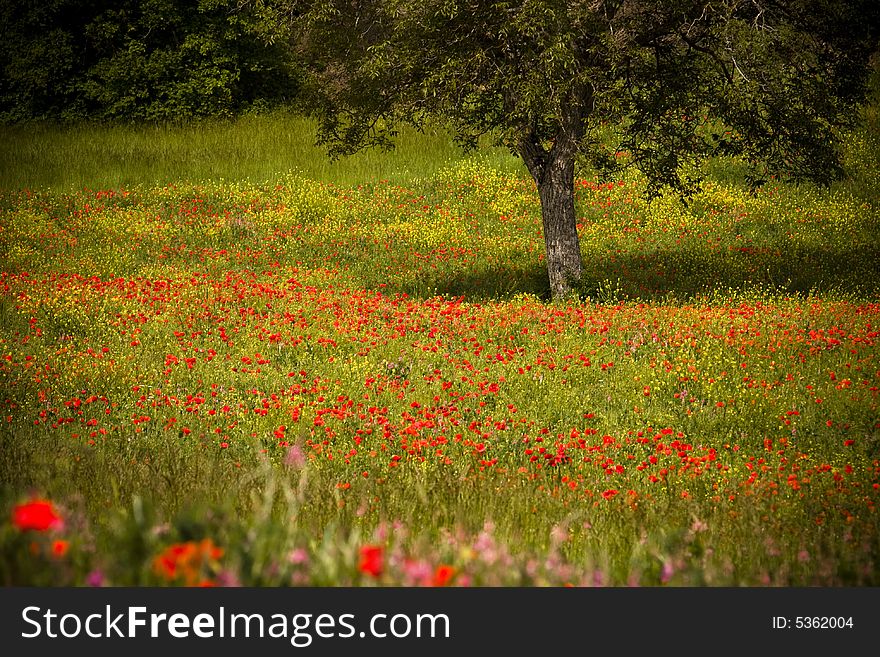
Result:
pixel 139 59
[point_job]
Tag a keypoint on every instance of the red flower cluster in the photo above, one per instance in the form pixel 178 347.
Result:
pixel 189 562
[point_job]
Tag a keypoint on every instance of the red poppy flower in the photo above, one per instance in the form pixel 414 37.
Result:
pixel 59 548
pixel 443 575
pixel 371 560
pixel 37 515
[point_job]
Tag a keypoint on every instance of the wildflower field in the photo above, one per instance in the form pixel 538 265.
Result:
pixel 303 382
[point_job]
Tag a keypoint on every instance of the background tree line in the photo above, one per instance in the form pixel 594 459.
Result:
pixel 137 60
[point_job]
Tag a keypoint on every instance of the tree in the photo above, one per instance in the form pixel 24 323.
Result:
pixel 769 80
pixel 42 46
pixel 172 59
pixel 139 59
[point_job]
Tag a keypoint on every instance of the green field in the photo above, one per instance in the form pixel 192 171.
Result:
pixel 225 359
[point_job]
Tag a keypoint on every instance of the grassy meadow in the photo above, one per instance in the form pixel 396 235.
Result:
pixel 226 360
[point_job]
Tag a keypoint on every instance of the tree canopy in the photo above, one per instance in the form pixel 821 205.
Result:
pixel 771 81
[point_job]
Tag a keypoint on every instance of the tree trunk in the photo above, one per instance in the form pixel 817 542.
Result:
pixel 556 190
pixel 554 175
pixel 552 167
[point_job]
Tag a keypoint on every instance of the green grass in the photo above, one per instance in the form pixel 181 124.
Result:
pixel 259 147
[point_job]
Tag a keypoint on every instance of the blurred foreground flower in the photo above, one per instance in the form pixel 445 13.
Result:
pixel 36 515
pixel 443 575
pixel 371 560
pixel 192 562
pixel 59 548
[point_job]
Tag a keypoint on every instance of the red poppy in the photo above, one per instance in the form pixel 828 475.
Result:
pixel 37 515
pixel 371 560
pixel 59 548
pixel 443 575
pixel 608 494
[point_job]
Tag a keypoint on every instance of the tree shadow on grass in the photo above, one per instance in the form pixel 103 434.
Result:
pixel 852 271
pixel 482 284
pixel 793 270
